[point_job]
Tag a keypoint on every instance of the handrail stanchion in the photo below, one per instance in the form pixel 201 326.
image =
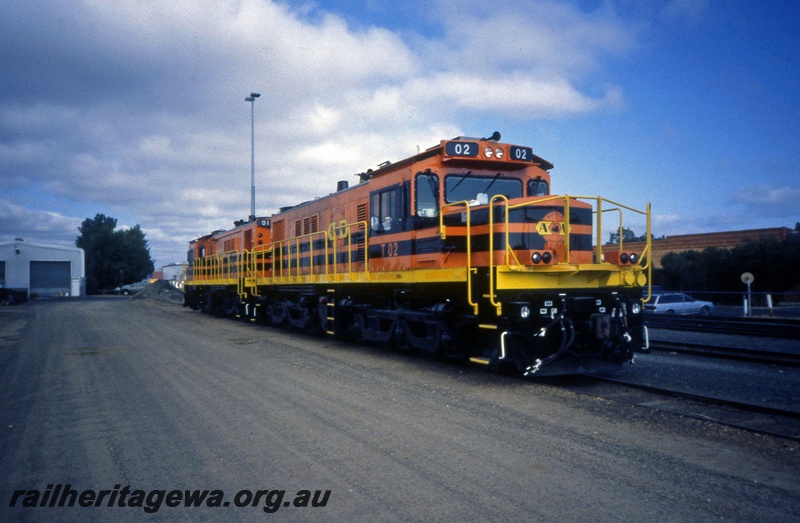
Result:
pixel 443 235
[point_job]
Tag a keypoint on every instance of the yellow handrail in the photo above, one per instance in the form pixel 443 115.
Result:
pixel 496 304
pixel 443 235
pixel 647 254
pixel 246 263
pixel 347 234
pixel 599 231
pixel 508 260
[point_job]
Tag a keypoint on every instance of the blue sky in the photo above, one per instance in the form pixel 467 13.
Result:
pixel 136 109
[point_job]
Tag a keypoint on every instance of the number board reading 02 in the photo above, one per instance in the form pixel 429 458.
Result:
pixel 471 149
pixel 461 149
pixel 523 154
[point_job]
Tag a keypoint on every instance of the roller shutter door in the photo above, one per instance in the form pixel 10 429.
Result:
pixel 50 278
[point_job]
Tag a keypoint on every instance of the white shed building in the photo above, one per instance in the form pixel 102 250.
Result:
pixel 32 269
pixel 174 273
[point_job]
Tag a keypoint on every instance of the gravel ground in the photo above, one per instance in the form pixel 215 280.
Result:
pixel 756 384
pixel 105 392
pixel 766 385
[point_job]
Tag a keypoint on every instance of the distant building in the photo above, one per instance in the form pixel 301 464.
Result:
pixel 700 241
pixel 173 273
pixel 33 269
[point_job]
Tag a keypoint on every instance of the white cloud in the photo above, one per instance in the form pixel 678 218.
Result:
pixel 18 221
pixel 513 95
pixel 544 37
pixel 771 201
pixel 137 108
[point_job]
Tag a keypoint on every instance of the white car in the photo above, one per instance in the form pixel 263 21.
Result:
pixel 677 303
pixel 132 288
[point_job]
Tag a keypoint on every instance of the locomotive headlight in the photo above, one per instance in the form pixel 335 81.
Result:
pixel 623 258
pixel 547 257
pixel 488 152
pixel 524 312
pixel 634 258
pixel 498 153
pixel 636 308
pixel 536 257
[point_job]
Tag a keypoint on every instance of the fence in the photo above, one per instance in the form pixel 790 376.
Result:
pixel 760 304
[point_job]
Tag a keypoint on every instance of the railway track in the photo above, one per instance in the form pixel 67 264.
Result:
pixel 744 337
pixel 765 327
pixel 761 419
pixel 791 359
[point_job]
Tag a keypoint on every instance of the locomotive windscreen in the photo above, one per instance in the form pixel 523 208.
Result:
pixel 460 187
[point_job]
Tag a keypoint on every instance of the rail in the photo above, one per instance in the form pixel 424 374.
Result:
pixel 787 328
pixel 732 409
pixel 765 356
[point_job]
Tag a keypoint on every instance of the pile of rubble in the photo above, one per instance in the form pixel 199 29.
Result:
pixel 161 291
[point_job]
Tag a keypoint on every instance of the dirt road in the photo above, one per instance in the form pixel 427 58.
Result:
pixel 138 397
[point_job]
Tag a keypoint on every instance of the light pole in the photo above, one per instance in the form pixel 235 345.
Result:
pixel 251 99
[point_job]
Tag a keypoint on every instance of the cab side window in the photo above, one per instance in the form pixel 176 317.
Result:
pixel 538 187
pixel 426 195
pixel 387 210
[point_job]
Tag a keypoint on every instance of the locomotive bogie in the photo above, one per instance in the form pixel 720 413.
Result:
pixel 458 252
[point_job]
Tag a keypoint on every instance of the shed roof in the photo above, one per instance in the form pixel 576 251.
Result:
pixel 40 245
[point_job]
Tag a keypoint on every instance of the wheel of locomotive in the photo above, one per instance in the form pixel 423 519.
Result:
pixel 447 343
pixel 262 313
pixel 351 329
pixel 322 315
pixel 398 341
pixel 211 304
pixel 351 322
pixel 230 306
pixel 461 343
pixel 313 321
pixel 194 304
pixel 279 321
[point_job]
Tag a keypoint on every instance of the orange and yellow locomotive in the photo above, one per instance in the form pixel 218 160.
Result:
pixel 460 251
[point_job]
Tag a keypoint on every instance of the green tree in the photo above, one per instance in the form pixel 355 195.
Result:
pixel 113 256
pixel 627 236
pixel 773 263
